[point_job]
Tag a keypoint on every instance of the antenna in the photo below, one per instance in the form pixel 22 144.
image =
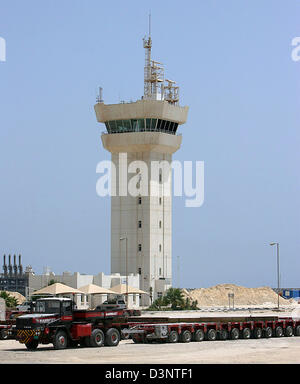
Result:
pixel 99 98
pixel 153 72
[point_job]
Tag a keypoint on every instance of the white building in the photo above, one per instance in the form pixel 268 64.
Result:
pixel 77 280
pixel 141 135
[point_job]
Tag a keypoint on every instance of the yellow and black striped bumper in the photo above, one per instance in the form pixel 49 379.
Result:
pixel 25 335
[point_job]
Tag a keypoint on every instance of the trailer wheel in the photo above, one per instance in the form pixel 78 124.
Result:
pixel 97 338
pixel 212 335
pixel 297 330
pixel 199 335
pixel 235 334
pixel 224 334
pixel 173 337
pixel 112 337
pixel 279 331
pixel 185 336
pixel 32 345
pixel 289 331
pixel 268 332
pixel 246 333
pixel 257 333
pixel 60 340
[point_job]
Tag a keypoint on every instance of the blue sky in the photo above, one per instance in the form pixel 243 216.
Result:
pixel 233 63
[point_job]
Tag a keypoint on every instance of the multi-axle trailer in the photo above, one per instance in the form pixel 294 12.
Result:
pixel 218 329
pixel 56 321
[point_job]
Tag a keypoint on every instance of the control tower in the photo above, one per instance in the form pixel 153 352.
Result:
pixel 141 135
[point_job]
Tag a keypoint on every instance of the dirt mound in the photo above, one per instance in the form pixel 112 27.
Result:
pixel 218 296
pixel 20 298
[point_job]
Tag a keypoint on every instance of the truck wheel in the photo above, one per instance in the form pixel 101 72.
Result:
pixel 3 334
pixel 223 334
pixel 257 333
pixel 279 331
pixel 60 340
pixel 297 330
pixel 97 338
pixel 199 335
pixel 268 332
pixel 112 337
pixel 32 345
pixel 235 334
pixel 185 336
pixel 246 333
pixel 173 337
pixel 289 331
pixel 212 335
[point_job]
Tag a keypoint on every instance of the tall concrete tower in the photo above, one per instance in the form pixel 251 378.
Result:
pixel 142 136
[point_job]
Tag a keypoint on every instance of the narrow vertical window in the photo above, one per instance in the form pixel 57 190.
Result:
pixel 160 176
pixel 140 247
pixel 140 224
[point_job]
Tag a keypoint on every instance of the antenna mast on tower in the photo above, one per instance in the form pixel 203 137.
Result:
pixel 153 72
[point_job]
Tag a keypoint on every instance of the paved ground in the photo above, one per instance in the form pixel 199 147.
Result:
pixel 283 350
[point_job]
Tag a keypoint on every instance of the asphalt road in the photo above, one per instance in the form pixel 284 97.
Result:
pixel 268 351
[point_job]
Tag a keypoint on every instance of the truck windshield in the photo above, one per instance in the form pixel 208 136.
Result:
pixel 48 306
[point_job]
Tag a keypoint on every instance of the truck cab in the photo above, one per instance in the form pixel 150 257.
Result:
pixel 50 314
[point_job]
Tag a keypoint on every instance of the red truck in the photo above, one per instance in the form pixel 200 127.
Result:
pixel 7 326
pixel 55 320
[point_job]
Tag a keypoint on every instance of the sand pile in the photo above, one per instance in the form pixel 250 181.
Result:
pixel 218 296
pixel 20 298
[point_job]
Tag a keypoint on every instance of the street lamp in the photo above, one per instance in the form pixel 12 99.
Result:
pixel 278 275
pixel 125 238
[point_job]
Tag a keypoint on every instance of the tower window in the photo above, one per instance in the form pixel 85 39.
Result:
pixel 159 271
pixel 159 247
pixel 160 201
pixel 159 123
pixel 140 271
pixel 140 224
pixel 160 176
pixel 141 125
pixel 140 247
pixel 159 223
pixel 140 200
pixel 148 124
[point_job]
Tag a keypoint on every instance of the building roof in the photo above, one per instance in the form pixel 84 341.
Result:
pixel 92 289
pixel 57 289
pixel 121 288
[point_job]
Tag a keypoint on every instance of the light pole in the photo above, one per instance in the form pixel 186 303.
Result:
pixel 126 255
pixel 278 274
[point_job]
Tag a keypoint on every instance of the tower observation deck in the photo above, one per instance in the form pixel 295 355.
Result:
pixel 144 131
